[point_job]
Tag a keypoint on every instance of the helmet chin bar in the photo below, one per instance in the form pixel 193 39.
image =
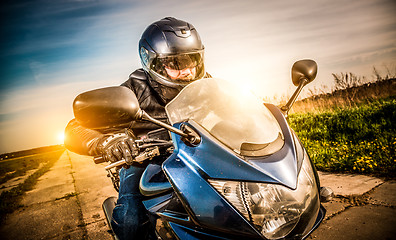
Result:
pixel 166 90
pixel 166 93
pixel 165 82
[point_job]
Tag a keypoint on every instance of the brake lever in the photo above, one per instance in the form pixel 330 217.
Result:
pixel 147 154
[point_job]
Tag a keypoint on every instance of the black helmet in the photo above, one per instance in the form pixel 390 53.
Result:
pixel 171 51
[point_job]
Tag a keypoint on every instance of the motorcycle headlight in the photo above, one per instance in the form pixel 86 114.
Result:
pixel 273 209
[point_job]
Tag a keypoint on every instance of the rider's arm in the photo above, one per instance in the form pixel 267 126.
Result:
pixel 82 140
pixel 86 141
pixel 109 142
pixel 112 146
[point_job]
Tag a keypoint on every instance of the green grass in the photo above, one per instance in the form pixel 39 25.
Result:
pixel 10 200
pixel 359 139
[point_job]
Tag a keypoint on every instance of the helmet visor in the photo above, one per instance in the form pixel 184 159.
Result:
pixel 181 68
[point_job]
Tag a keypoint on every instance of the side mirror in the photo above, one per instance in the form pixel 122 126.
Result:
pixel 304 69
pixel 106 107
pixel 303 72
pixel 114 106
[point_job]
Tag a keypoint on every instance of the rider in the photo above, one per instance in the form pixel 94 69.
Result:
pixel 171 53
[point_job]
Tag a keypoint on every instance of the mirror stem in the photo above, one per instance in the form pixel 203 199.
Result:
pixel 285 109
pixel 145 116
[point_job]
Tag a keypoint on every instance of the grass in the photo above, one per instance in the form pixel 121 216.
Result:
pixel 12 168
pixel 349 97
pixel 10 200
pixel 359 139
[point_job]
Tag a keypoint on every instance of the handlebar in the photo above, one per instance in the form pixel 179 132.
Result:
pixel 99 159
pixel 148 148
pixel 148 154
pixel 115 164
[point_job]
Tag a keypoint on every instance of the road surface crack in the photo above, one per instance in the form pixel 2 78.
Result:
pixel 357 200
pixel 81 223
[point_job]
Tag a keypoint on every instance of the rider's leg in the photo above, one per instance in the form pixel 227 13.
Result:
pixel 129 214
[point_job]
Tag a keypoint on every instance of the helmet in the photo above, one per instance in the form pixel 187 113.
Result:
pixel 171 52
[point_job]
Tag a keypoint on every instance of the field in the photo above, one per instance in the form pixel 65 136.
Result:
pixel 18 163
pixel 39 160
pixel 353 136
pixel 345 97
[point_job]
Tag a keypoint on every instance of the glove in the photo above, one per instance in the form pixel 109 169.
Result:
pixel 119 146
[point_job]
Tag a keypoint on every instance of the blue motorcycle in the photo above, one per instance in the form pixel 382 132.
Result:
pixel 232 168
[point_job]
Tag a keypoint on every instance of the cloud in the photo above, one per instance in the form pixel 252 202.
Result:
pixel 53 50
pixel 34 117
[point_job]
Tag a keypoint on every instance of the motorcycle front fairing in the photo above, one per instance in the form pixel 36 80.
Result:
pixel 223 194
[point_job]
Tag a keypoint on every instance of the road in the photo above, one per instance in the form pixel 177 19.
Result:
pixel 66 204
pixel 364 208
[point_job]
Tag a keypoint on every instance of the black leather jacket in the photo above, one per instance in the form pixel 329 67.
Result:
pixel 84 141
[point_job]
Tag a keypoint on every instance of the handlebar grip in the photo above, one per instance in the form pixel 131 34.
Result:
pixel 99 159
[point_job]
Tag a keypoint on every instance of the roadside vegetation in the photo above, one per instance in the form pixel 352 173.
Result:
pixel 351 129
pixel 360 139
pixel 21 162
pixel 11 168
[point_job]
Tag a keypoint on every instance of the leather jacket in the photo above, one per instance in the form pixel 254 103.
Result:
pixel 84 141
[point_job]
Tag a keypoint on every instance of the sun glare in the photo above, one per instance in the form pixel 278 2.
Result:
pixel 61 137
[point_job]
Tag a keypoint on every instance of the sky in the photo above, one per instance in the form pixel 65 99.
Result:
pixel 52 50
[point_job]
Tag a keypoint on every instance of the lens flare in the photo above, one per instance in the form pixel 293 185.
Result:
pixel 61 137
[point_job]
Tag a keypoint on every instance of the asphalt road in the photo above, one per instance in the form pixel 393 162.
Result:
pixel 66 204
pixel 364 208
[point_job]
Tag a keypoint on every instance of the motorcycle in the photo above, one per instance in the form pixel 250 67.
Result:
pixel 232 168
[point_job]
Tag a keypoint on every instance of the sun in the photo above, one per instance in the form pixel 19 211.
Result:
pixel 61 137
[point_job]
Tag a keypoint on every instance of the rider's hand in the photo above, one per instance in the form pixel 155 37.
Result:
pixel 119 146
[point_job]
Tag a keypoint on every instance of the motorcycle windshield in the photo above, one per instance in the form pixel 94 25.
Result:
pixel 236 118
